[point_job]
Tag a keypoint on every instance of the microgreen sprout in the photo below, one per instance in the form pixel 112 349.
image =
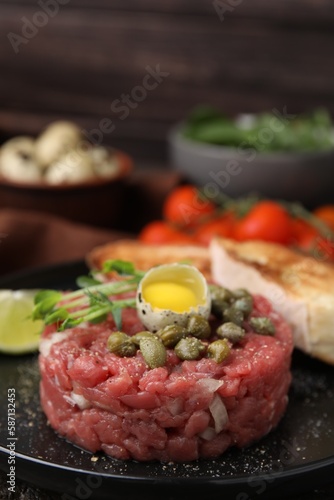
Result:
pixel 93 302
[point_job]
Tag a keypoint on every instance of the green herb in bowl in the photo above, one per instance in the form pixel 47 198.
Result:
pixel 264 132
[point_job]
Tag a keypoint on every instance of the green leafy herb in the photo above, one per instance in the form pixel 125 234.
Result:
pixel 86 281
pixel 117 315
pixel 121 267
pixel 93 302
pixel 45 301
pixel 307 132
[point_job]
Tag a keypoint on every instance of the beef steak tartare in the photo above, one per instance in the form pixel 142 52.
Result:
pixel 181 411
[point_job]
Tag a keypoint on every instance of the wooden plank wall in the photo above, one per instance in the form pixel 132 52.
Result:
pixel 261 55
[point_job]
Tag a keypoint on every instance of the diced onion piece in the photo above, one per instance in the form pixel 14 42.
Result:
pixel 46 344
pixel 211 384
pixel 175 406
pixel 219 413
pixel 80 401
pixel 208 434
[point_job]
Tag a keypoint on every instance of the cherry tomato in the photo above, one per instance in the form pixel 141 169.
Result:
pixel 160 232
pixel 303 234
pixel 308 238
pixel 185 207
pixel 219 227
pixel 326 214
pixel 267 221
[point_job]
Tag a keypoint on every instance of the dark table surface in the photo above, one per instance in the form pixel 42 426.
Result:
pixel 24 491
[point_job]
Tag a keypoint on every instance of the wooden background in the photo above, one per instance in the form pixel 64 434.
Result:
pixel 262 55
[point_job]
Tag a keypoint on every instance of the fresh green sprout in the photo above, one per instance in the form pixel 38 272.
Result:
pixel 91 302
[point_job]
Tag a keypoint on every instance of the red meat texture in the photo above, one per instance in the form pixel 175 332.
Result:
pixel 180 412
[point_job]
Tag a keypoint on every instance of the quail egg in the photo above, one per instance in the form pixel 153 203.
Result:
pixel 74 167
pixel 57 139
pixel 105 164
pixel 170 294
pixel 18 161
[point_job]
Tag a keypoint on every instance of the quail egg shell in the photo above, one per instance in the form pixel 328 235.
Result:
pixel 170 294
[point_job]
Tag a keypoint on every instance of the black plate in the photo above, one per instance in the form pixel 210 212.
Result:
pixel 297 456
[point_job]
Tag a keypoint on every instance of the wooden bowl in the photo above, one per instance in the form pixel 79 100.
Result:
pixel 99 202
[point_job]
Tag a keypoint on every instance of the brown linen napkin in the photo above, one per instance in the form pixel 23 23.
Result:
pixel 30 239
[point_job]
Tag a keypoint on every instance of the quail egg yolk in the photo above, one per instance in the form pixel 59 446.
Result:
pixel 168 295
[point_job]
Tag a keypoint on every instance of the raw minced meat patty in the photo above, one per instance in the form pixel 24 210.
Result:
pixel 183 411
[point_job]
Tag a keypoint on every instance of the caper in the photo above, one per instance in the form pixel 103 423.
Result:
pixel 244 304
pixel 263 325
pixel 153 351
pixel 221 293
pixel 198 327
pixel 218 307
pixel 239 293
pixel 189 348
pixel 120 343
pixel 170 335
pixel 234 315
pixel 220 299
pixel 218 350
pixel 140 335
pixel 231 331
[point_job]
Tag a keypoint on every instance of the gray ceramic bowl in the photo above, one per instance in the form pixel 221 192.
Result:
pixel 306 177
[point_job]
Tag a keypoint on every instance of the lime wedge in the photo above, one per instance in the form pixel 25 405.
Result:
pixel 18 333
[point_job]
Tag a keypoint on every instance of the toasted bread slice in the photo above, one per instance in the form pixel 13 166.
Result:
pixel 301 288
pixel 145 256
